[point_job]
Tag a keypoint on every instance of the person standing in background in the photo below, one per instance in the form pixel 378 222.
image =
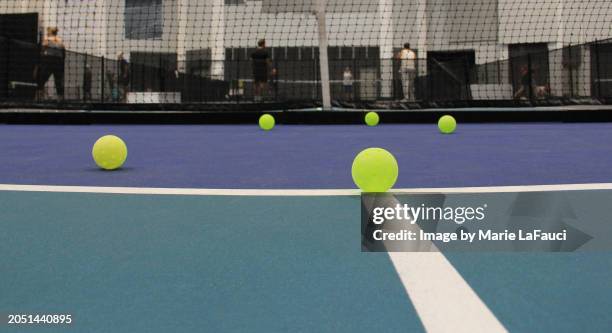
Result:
pixel 87 78
pixel 407 59
pixel 526 84
pixel 274 83
pixel 52 62
pixel 347 84
pixel 123 81
pixel 261 60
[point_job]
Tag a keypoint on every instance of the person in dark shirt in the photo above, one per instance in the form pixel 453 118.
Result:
pixel 261 60
pixel 526 83
pixel 87 79
pixel 123 80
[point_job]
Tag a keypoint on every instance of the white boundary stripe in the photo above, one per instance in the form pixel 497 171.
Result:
pixel 174 191
pixel 444 301
pixel 254 192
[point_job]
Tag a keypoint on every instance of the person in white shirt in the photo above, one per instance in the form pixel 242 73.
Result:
pixel 407 59
pixel 347 84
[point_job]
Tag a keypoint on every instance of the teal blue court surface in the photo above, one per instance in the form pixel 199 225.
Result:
pixel 232 229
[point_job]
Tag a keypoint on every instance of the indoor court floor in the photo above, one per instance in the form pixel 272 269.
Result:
pixel 228 228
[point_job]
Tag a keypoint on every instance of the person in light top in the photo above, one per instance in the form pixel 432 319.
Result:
pixel 347 84
pixel 407 58
pixel 52 62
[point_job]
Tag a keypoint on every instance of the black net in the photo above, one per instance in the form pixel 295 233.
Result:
pixel 435 52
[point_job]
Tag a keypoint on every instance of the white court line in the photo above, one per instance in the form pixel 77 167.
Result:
pixel 289 192
pixel 444 301
pixel 174 191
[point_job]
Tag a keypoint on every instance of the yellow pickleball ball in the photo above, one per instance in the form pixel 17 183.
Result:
pixel 109 152
pixel 267 122
pixel 375 170
pixel 372 119
pixel 447 124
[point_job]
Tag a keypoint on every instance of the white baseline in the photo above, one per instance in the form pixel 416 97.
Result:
pixel 295 192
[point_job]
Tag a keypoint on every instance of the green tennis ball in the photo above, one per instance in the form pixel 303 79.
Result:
pixel 372 119
pixel 447 124
pixel 374 170
pixel 266 122
pixel 109 152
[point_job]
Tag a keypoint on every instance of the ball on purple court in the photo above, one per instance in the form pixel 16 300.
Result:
pixel 109 152
pixel 266 122
pixel 375 170
pixel 372 119
pixel 447 124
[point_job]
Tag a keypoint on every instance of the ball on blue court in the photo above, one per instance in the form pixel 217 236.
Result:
pixel 266 122
pixel 372 119
pixel 109 152
pixel 375 170
pixel 447 124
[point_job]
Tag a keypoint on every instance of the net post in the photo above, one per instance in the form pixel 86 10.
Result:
pixel 466 74
pixel 430 79
pixel 386 37
pixel 102 75
pixel 569 69
pixel 237 82
pixel 162 82
pixel 8 68
pixel 199 77
pixel 499 73
pixel 323 56
pixel 356 82
pixel 530 77
pixel 275 79
pixel 83 90
pixel 597 68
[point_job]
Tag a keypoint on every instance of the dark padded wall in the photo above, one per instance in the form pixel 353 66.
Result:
pixel 18 52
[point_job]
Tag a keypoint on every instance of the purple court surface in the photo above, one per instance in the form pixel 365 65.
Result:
pixel 309 157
